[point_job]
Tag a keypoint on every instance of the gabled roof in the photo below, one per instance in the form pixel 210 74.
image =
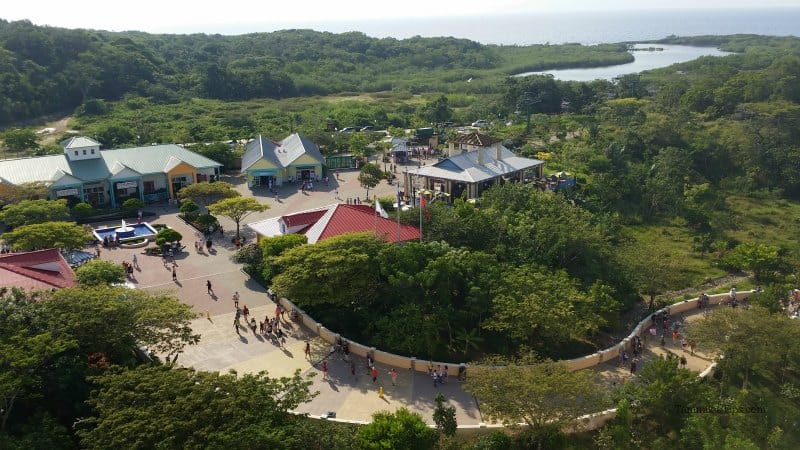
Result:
pixel 302 218
pixel 144 160
pixel 41 269
pixel 79 142
pixel 257 149
pixel 464 167
pixel 334 220
pixel 478 139
pixel 118 167
pixel 295 146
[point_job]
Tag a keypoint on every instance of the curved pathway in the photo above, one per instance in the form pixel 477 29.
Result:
pixel 350 397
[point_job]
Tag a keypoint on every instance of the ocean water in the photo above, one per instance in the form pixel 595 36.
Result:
pixel 588 27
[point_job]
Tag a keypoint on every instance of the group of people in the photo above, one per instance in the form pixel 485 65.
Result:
pixel 439 375
pixel 268 328
pixel 111 242
pixel 354 201
pixel 5 248
pixel 128 267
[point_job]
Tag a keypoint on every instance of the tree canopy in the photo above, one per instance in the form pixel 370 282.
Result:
pixel 66 235
pixel 28 212
pixel 162 407
pixel 100 272
pixel 237 208
pixel 207 193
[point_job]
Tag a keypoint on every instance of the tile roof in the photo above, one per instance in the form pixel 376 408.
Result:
pixel 41 269
pixel 337 219
pixel 144 160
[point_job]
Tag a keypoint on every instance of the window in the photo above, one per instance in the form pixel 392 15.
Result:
pixel 76 153
pixel 84 152
pixel 93 151
pixel 149 187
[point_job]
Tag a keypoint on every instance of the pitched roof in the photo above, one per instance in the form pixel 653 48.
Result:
pixel 79 142
pixel 302 218
pixel 295 146
pixel 464 167
pixel 41 269
pixel 334 220
pixel 144 160
pixel 257 149
pixel 478 139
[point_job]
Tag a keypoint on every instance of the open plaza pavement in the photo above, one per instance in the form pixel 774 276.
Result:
pixel 222 349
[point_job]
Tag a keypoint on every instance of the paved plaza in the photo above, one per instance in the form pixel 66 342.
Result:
pixel 221 348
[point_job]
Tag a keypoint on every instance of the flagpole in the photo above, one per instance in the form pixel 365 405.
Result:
pixel 399 206
pixel 420 216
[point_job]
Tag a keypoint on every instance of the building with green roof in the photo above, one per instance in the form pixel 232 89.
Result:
pixel 84 173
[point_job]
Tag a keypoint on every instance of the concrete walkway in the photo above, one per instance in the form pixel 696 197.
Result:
pixel 221 348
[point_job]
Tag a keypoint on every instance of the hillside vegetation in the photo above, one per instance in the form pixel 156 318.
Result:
pixel 45 70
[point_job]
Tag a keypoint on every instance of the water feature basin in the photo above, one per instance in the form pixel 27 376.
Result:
pixel 125 232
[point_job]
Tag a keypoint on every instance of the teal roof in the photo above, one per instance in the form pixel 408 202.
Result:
pixel 145 160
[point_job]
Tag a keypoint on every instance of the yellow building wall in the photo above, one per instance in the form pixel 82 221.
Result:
pixel 180 169
pixel 307 160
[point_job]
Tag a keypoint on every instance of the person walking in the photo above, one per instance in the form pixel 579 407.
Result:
pixel 135 261
pixel 308 350
pixel 393 374
pixel 236 325
pixel 236 299
pixel 324 370
pixel 174 275
pixel 245 312
pixel 374 374
pixel 209 289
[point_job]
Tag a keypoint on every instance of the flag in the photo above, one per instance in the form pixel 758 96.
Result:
pixel 424 206
pixel 379 209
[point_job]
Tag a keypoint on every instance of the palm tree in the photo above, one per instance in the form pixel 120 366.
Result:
pixel 467 339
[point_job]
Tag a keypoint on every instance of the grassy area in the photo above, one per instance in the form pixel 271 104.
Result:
pixel 696 268
pixel 768 220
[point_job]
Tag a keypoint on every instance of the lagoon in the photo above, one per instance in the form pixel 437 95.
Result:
pixel 645 60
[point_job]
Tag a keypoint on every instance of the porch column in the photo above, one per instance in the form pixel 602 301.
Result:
pixel 113 194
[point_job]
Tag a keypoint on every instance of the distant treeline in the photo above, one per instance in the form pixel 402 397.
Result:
pixel 45 70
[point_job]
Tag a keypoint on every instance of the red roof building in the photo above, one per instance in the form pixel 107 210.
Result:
pixel 334 220
pixel 41 269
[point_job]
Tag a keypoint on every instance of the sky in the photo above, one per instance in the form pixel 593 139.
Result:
pixel 207 16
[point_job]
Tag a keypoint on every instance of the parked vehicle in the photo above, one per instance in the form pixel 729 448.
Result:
pixel 480 123
pixel 349 130
pixel 368 128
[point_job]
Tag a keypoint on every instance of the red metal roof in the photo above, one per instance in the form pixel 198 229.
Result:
pixel 41 269
pixel 303 218
pixel 360 218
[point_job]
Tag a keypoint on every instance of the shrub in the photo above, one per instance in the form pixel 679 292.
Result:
pixel 82 210
pixel 133 203
pixel 206 220
pixel 167 235
pixel 189 209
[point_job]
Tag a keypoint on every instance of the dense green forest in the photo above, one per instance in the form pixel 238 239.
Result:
pixel 45 70
pixel 684 173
